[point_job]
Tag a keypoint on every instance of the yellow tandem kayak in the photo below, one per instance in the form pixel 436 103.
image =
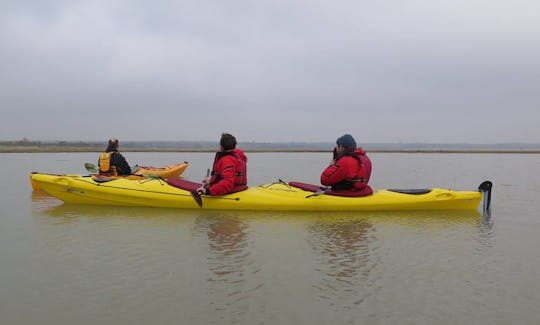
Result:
pixel 275 196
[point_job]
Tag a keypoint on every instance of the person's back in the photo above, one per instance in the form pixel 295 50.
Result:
pixel 111 162
pixel 350 169
pixel 229 170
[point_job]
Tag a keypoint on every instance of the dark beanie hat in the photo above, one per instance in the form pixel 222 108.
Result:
pixel 347 141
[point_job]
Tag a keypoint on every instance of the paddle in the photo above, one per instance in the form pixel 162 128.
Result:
pixel 93 169
pixel 196 196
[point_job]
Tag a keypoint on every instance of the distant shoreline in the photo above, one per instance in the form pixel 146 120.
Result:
pixel 32 146
pixel 67 149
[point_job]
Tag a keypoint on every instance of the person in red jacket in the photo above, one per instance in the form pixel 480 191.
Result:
pixel 350 169
pixel 229 171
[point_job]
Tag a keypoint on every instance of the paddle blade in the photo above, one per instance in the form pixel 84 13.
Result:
pixel 197 197
pixel 90 167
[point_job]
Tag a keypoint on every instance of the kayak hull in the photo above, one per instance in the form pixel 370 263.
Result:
pixel 77 189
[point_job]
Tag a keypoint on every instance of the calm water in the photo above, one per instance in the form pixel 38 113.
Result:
pixel 68 264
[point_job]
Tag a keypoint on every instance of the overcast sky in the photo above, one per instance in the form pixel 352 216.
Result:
pixel 271 70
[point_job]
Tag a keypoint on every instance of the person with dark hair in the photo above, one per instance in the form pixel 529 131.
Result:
pixel 229 171
pixel 350 169
pixel 111 162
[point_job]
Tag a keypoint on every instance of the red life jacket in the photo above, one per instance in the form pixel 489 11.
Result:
pixel 362 175
pixel 218 184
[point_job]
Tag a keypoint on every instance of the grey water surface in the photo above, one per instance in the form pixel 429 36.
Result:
pixel 74 264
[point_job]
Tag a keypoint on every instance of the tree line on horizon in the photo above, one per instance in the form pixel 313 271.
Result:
pixel 211 145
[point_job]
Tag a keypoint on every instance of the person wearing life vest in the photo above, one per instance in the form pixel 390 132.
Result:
pixel 350 169
pixel 111 162
pixel 229 171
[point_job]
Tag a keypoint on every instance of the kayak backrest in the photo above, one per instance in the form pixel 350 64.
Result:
pixel 183 184
pixel 413 191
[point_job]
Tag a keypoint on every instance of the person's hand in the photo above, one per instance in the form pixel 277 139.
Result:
pixel 201 190
pixel 335 154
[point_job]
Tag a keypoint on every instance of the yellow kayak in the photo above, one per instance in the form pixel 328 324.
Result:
pixel 276 196
pixel 164 172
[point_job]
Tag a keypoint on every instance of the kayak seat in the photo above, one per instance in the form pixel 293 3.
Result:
pixel 315 188
pixel 190 186
pixel 417 191
pixel 183 184
pixel 363 192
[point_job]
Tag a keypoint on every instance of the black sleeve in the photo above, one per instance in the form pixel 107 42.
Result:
pixel 121 164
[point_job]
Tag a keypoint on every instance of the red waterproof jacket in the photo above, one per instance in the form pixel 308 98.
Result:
pixel 229 172
pixel 350 171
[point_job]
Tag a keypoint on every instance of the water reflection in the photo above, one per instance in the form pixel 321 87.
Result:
pixel 486 221
pixel 229 247
pixel 72 212
pixel 41 200
pixel 218 255
pixel 351 249
pixel 485 233
pixel 345 260
pixel 232 279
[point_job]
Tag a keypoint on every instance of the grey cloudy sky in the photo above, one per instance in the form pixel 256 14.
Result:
pixel 271 70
